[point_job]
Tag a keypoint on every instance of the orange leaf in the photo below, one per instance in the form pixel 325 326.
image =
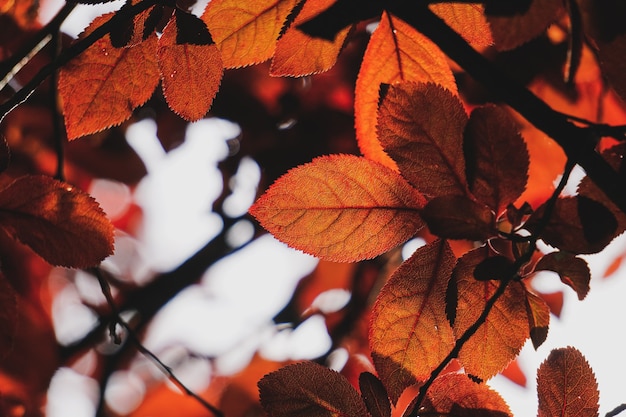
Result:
pixel 566 385
pixel 410 334
pixel 538 318
pixel 190 73
pixel 341 208
pixel 514 373
pixel 396 52
pixel 63 224
pixel 309 390
pixel 501 337
pixel 456 395
pixel 246 32
pixel 572 270
pixel 298 54
pixel 428 150
pixel 101 87
pixel 468 20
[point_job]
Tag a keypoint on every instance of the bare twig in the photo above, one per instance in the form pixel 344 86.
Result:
pixel 616 410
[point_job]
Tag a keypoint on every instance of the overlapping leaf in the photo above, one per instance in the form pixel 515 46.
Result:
pixel 246 32
pixel 374 395
pixel 572 270
pixel 8 316
pixel 458 217
pixel 64 225
pixel 410 334
pixel 468 20
pixel 566 385
pixel 101 87
pixel 538 318
pixel 396 52
pixel 341 208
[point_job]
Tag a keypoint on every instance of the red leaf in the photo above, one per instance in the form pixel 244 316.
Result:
pixel 309 390
pixel 341 208
pixel 63 224
pixel 566 385
pixel 190 73
pixel 410 334
pixel 514 373
pixel 458 217
pixel 538 318
pixel 101 87
pixel 572 270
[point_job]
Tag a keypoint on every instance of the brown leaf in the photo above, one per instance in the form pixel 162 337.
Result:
pixel 374 395
pixel 63 224
pixel 410 334
pixel 428 150
pixel 101 87
pixel 496 158
pixel 5 154
pixel 190 73
pixel 309 390
pixel 566 385
pixel 458 217
pixel 572 270
pixel 538 318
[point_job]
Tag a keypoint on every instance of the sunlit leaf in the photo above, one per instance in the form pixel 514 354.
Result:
pixel 496 158
pixel 374 395
pixel 101 87
pixel 63 224
pixel 396 52
pixel 246 32
pixel 341 208
pixel 190 73
pixel 538 318
pixel 8 316
pixel 427 149
pixel 458 217
pixel 572 270
pixel 566 385
pixel 466 19
pixel 410 334
pixel 309 390
pixel 504 332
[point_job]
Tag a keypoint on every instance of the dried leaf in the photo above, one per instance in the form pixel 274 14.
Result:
pixel 374 395
pixel 410 334
pixel 309 390
pixel 468 20
pixel 246 32
pixel 190 73
pixel 63 224
pixel 496 158
pixel 566 385
pixel 428 150
pixel 396 52
pixel 538 318
pixel 458 217
pixel 341 208
pixel 572 270
pixel 101 87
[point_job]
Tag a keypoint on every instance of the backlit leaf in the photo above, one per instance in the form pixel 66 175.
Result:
pixel 496 158
pixel 309 390
pixel 8 316
pixel 298 54
pixel 572 270
pixel 341 208
pixel 458 217
pixel 566 385
pixel 246 32
pixel 538 318
pixel 101 87
pixel 410 334
pixel 466 19
pixel 503 334
pixel 190 73
pixel 396 52
pixel 374 395
pixel 63 224
pixel 427 149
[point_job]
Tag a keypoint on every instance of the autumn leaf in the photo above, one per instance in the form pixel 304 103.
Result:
pixel 496 158
pixel 5 154
pixel 501 337
pixel 374 395
pixel 8 316
pixel 101 87
pixel 468 20
pixel 538 318
pixel 298 54
pixel 458 217
pixel 24 12
pixel 191 71
pixel 246 32
pixel 309 390
pixel 428 150
pixel 341 208
pixel 572 270
pixel 64 225
pixel 396 52
pixel 566 385
pixel 410 334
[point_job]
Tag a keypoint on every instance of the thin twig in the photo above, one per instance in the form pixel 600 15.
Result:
pixel 616 410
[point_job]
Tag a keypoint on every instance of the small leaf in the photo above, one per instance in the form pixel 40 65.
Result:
pixel 63 224
pixel 572 270
pixel 468 20
pixel 458 217
pixel 566 385
pixel 190 72
pixel 410 334
pixel 191 30
pixel 8 317
pixel 122 33
pixel 341 208
pixel 395 53
pixel 309 390
pixel 374 395
pixel 538 319
pixel 428 150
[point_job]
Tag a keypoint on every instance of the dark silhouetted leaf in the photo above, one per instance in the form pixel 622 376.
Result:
pixel 458 217
pixel 5 154
pixel 341 14
pixel 494 268
pixel 191 30
pixel 374 395
pixel 538 318
pixel 122 33
pixel 572 270
pixel 506 8
pixel 8 316
pixel 566 385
